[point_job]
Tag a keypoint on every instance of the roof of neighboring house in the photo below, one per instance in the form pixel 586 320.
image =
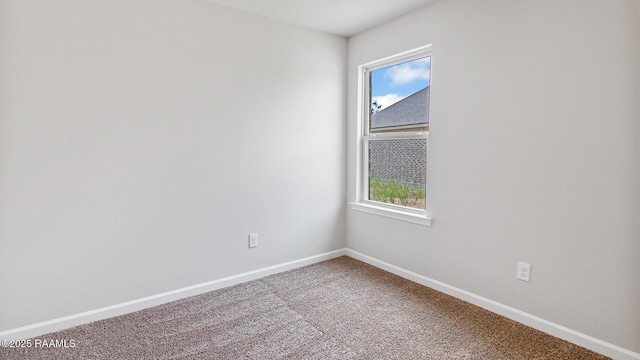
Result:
pixel 412 110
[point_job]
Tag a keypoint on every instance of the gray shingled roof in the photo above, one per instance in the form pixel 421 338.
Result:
pixel 412 110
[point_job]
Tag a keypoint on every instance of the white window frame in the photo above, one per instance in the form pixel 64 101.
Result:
pixel 362 202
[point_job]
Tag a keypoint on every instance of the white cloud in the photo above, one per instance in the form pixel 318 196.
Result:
pixel 408 72
pixel 387 100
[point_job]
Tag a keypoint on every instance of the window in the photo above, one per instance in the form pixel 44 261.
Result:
pixel 393 135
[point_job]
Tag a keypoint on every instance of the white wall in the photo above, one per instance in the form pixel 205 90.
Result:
pixel 141 141
pixel 533 156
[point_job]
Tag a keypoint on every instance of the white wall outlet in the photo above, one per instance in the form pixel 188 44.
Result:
pixel 253 240
pixel 524 271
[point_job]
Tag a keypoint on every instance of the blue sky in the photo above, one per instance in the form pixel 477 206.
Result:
pixel 392 84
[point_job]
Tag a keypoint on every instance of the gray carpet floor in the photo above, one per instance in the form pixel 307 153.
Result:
pixel 337 309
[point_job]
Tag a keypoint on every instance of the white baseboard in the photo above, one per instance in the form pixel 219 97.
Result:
pixel 66 322
pixel 559 331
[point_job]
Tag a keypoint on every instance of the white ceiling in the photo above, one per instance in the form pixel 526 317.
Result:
pixel 340 17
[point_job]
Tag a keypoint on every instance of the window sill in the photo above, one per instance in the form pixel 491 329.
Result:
pixel 397 214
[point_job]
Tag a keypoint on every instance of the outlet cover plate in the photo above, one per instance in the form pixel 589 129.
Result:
pixel 253 240
pixel 524 271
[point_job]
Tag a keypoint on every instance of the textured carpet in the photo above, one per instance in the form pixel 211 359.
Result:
pixel 338 309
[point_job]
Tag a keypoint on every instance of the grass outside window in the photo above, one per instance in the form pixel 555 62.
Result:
pixel 392 192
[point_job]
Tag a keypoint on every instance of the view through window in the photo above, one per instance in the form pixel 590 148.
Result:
pixel 397 132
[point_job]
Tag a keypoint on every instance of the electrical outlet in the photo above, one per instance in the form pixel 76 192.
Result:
pixel 253 240
pixel 524 271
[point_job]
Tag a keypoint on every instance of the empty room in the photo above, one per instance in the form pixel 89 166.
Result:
pixel 320 179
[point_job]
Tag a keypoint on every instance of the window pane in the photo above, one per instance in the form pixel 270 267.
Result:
pixel 400 97
pixel 398 171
